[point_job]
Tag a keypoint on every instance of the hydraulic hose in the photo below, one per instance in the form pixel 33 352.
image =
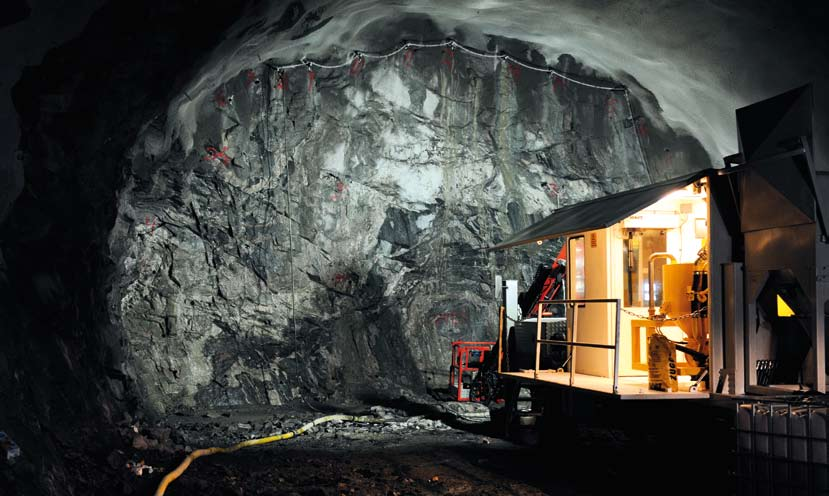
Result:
pixel 175 474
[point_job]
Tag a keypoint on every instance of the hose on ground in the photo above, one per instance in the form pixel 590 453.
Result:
pixel 175 474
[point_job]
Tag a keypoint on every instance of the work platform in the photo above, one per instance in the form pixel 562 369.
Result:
pixel 629 388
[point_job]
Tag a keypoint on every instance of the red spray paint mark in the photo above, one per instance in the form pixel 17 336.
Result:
pixel 611 107
pixel 220 99
pixel 669 157
pixel 312 76
pixel 514 70
pixel 150 225
pixel 214 154
pixel 552 188
pixel 282 82
pixel 340 191
pixel 251 77
pixel 408 59
pixel 559 83
pixel 357 65
pixel 451 318
pixel 344 281
pixel 642 129
pixel 448 58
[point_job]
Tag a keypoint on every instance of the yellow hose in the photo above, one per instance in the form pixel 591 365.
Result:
pixel 175 474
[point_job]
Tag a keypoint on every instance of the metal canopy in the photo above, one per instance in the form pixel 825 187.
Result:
pixel 598 213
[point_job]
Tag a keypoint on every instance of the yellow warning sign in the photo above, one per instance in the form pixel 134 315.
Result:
pixel 783 308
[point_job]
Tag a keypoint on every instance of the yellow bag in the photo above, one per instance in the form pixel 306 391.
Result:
pixel 661 363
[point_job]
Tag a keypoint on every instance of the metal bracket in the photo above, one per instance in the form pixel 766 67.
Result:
pixel 702 376
pixel 807 152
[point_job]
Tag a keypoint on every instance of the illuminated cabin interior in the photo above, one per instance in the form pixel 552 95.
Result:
pixel 668 237
pixel 660 249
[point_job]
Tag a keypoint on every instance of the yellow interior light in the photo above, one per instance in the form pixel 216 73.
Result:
pixel 783 309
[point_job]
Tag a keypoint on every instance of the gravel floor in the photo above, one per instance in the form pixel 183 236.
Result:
pixel 406 455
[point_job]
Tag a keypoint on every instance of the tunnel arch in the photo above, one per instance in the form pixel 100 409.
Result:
pixel 459 147
pixel 97 111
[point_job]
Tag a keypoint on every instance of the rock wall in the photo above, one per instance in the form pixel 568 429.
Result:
pixel 79 111
pixel 326 238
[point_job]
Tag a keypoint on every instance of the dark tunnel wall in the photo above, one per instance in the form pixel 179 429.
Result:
pixel 79 113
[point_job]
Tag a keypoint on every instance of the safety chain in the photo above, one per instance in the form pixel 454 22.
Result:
pixel 520 319
pixel 451 44
pixel 692 315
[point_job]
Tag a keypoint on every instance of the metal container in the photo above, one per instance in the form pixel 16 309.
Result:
pixel 782 448
pixel 677 280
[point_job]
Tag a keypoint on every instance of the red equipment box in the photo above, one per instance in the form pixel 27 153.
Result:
pixel 467 357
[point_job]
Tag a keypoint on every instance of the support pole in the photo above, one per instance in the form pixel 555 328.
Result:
pixel 616 347
pixel 500 337
pixel 575 340
pixel 538 339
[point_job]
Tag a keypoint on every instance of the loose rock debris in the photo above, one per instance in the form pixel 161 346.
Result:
pixel 9 450
pixel 405 455
pixel 139 468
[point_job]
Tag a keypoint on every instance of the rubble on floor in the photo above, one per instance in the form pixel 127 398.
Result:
pixel 406 454
pixel 183 433
pixel 9 450
pixel 467 412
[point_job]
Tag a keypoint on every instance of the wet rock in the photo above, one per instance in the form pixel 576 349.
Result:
pixel 9 450
pixel 387 413
pixel 140 442
pixel 161 434
pixel 116 459
pixel 468 412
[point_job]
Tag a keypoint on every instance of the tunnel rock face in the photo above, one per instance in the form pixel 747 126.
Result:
pixel 325 238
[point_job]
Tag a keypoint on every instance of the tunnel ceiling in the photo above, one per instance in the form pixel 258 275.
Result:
pixel 699 60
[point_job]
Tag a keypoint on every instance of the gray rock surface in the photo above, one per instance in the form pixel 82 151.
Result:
pixel 326 238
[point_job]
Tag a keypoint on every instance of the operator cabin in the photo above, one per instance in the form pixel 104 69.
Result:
pixel 725 266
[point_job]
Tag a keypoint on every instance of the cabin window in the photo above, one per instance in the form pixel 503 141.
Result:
pixel 639 245
pixel 576 252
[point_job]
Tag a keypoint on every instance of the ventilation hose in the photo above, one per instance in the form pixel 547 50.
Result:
pixel 175 474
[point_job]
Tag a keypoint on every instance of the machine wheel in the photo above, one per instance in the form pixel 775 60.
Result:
pixel 487 384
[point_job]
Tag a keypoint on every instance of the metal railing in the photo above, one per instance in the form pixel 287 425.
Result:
pixel 574 343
